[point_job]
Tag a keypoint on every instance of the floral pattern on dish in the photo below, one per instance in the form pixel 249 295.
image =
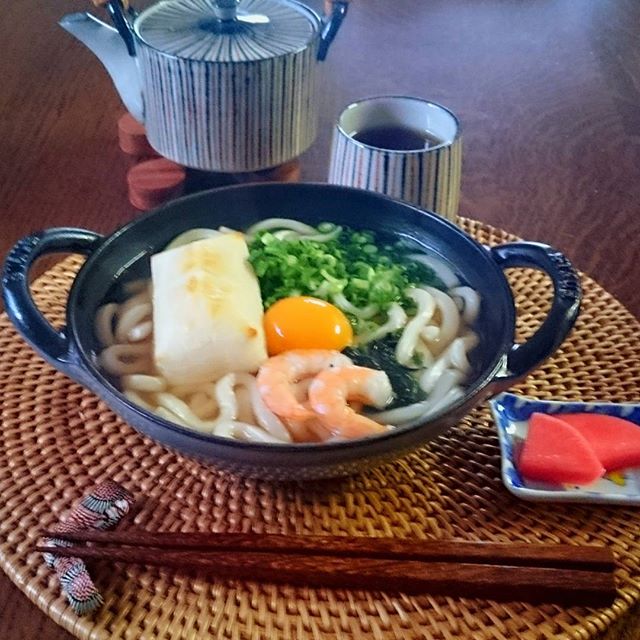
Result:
pixel 511 413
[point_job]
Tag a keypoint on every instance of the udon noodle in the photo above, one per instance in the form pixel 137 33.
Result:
pixel 436 332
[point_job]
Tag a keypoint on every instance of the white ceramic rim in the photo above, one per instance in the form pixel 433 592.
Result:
pixel 421 101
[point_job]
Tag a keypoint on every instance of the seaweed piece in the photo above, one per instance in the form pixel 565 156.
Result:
pixel 381 354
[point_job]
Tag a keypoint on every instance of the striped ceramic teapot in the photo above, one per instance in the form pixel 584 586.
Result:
pixel 220 85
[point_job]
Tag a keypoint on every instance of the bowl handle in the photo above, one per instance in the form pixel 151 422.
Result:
pixel 523 358
pixel 50 343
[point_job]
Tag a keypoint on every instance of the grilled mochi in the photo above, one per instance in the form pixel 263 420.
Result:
pixel 207 311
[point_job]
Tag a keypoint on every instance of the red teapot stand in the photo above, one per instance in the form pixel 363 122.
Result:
pixel 153 180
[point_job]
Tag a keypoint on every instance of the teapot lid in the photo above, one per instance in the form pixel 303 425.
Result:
pixel 227 30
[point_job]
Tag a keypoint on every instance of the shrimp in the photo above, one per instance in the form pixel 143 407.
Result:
pixel 331 390
pixel 309 430
pixel 278 375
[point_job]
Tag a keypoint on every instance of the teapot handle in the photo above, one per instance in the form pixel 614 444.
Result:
pixel 337 10
pixel 121 22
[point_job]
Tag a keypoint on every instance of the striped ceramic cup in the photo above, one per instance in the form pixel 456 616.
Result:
pixel 404 147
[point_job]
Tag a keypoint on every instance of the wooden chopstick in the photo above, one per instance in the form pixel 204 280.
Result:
pixel 585 557
pixel 462 579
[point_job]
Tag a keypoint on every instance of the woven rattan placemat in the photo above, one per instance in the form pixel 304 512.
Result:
pixel 57 441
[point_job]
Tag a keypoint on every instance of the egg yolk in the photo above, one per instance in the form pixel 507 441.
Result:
pixel 302 322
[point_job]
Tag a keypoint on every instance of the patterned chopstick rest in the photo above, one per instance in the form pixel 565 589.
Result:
pixel 102 508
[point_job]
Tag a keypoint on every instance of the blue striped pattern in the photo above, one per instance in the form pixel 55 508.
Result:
pixel 429 179
pixel 183 28
pixel 230 117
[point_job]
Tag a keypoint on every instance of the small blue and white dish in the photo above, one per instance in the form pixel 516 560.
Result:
pixel 511 414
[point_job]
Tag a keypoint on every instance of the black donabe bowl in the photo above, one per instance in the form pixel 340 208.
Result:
pixel 498 363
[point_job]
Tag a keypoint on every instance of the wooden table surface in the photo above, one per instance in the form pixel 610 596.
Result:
pixel 548 93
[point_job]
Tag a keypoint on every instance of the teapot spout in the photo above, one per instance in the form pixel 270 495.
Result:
pixel 105 42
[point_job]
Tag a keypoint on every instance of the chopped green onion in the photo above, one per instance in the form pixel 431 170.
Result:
pixel 331 260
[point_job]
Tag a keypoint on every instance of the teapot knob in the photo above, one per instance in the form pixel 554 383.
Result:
pixel 226 9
